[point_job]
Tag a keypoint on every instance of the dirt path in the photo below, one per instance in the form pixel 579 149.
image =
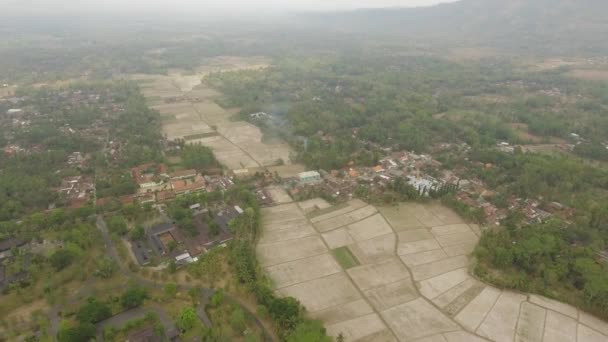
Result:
pixel 122 318
pixel 88 288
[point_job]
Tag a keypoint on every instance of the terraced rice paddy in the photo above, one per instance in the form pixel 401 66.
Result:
pixel 189 113
pixel 401 274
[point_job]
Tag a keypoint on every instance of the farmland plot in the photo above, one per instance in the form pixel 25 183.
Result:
pixel 401 274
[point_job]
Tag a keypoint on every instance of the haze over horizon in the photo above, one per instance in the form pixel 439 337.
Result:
pixel 63 6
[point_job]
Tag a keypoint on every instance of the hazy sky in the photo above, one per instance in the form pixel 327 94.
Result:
pixel 202 5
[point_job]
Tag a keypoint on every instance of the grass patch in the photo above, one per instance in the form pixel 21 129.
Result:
pixel 326 210
pixel 201 136
pixel 345 258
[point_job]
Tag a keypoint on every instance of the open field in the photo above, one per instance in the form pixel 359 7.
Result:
pixel 189 112
pixel 472 53
pixel 523 133
pixel 7 91
pixel 554 63
pixel 401 274
pixel 589 74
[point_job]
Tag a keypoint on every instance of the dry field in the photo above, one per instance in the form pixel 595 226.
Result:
pixel 554 63
pixel 589 74
pixel 198 119
pixel 7 91
pixel 523 133
pixel 471 53
pixel 409 280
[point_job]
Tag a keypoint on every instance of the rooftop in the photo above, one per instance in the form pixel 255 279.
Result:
pixel 309 174
pixel 183 174
pixel 147 172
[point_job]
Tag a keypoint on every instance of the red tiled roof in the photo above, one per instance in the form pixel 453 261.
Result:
pixel 180 185
pixel 166 195
pixel 138 175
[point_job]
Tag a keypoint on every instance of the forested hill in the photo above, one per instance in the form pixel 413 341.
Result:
pixel 542 26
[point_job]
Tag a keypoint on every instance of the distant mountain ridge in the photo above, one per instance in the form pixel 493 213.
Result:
pixel 564 26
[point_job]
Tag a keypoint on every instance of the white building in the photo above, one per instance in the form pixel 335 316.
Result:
pixel 309 177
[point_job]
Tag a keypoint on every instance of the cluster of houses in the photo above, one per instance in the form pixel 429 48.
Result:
pixel 12 150
pixel 169 241
pixel 343 183
pixel 157 185
pixel 77 191
pixel 17 117
pixel 416 169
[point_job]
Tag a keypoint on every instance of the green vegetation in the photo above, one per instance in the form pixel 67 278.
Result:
pixel 117 225
pixel 286 312
pixel 309 331
pixel 550 259
pixel 61 259
pixel 26 183
pixel 188 319
pixel 345 257
pixel 230 321
pixel 93 311
pixel 344 103
pixel 78 333
pixel 106 267
pixel 341 99
pixel 198 157
pixel 120 334
pixel 133 297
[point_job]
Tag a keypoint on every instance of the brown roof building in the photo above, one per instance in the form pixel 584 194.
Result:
pixel 149 175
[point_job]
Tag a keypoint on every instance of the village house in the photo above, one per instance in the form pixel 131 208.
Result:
pixel 78 190
pixel 186 181
pixel 259 115
pixel 150 176
pixel 76 159
pixel 378 169
pixel 168 240
pixel 12 150
pixel 422 184
pixel 146 197
pixel 165 196
pixel 14 112
pixel 309 177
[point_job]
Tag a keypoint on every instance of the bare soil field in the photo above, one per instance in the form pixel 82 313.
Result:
pixel 524 133
pixel 554 63
pixel 411 281
pixel 189 112
pixel 7 91
pixel 589 74
pixel 471 53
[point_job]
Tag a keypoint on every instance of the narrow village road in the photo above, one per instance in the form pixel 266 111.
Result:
pixel 136 313
pixel 88 287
